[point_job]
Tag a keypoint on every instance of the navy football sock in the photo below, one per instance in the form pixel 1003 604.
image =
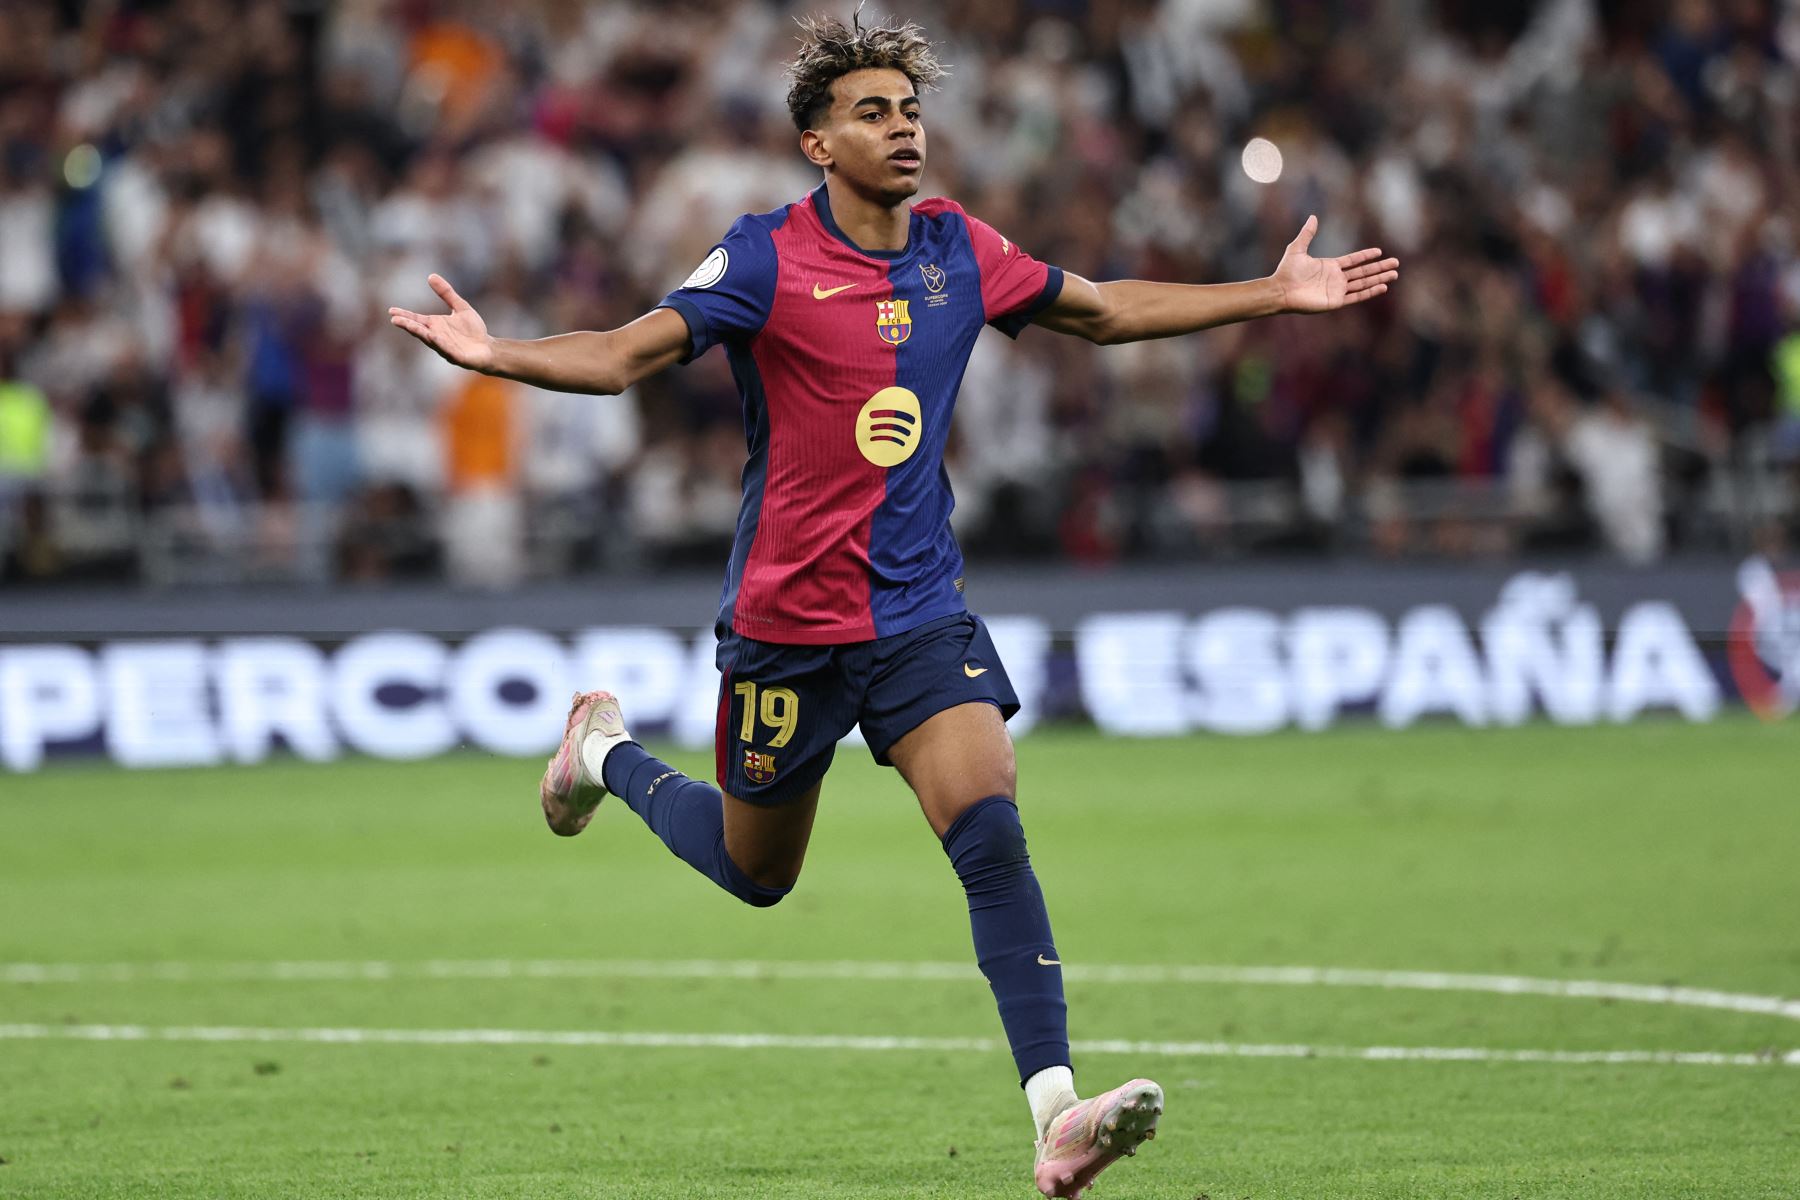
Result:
pixel 986 845
pixel 688 815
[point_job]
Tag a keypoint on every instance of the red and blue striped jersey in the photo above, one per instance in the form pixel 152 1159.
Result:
pixel 848 361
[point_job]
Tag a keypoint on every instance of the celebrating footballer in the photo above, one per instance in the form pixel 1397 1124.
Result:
pixel 848 317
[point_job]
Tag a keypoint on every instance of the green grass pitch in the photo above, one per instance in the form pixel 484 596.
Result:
pixel 1656 854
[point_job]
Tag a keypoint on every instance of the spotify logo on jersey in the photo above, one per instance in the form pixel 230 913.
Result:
pixel 888 427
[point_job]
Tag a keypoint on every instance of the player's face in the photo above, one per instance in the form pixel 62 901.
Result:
pixel 874 135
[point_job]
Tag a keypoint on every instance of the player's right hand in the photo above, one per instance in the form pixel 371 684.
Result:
pixel 461 336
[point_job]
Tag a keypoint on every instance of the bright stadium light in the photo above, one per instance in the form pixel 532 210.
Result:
pixel 1262 160
pixel 81 167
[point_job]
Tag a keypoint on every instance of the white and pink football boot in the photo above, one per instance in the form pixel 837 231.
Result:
pixel 572 788
pixel 1090 1135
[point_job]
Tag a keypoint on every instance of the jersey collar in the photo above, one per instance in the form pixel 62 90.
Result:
pixel 822 205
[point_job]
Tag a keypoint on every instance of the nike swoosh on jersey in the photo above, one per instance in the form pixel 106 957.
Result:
pixel 1049 962
pixel 973 671
pixel 820 293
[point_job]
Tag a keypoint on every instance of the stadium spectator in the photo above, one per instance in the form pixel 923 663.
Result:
pixel 24 432
pixel 483 520
pixel 202 205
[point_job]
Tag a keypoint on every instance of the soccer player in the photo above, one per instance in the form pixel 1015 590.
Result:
pixel 848 317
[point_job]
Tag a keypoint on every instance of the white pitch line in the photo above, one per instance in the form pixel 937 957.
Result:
pixel 915 972
pixel 779 1041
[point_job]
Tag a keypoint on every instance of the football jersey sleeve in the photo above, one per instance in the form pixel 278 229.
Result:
pixel 728 296
pixel 1015 287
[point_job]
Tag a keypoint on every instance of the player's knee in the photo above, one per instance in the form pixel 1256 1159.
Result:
pixel 987 841
pixel 1006 778
pixel 946 798
pixel 993 771
pixel 764 897
pixel 761 890
pixel 767 889
pixel 761 893
pixel 999 776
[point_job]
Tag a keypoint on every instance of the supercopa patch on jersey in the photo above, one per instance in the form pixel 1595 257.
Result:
pixel 710 270
pixel 892 321
pixel 759 767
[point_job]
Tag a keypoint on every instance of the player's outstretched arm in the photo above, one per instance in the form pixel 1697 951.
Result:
pixel 1131 310
pixel 603 364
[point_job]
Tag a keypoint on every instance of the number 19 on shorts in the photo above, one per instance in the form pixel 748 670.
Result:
pixel 779 710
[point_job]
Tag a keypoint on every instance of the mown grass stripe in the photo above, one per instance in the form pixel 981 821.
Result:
pixel 778 1041
pixel 915 972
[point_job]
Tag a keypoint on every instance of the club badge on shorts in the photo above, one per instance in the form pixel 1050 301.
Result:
pixel 759 767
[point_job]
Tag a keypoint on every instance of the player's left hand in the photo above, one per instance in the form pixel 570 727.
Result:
pixel 1315 285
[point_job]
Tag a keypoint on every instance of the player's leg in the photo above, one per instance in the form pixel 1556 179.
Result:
pixel 937 704
pixel 955 759
pixel 768 843
pixel 938 714
pixel 959 763
pixel 787 707
pixel 752 851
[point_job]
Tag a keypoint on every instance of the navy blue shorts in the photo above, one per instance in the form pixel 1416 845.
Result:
pixel 783 709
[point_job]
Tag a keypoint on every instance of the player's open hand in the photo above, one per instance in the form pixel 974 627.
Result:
pixel 461 336
pixel 1315 285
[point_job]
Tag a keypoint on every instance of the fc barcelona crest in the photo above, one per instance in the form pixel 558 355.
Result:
pixel 892 321
pixel 759 767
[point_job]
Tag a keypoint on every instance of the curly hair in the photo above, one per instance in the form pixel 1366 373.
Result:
pixel 829 49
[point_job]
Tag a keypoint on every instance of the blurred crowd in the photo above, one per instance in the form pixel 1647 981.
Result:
pixel 206 207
